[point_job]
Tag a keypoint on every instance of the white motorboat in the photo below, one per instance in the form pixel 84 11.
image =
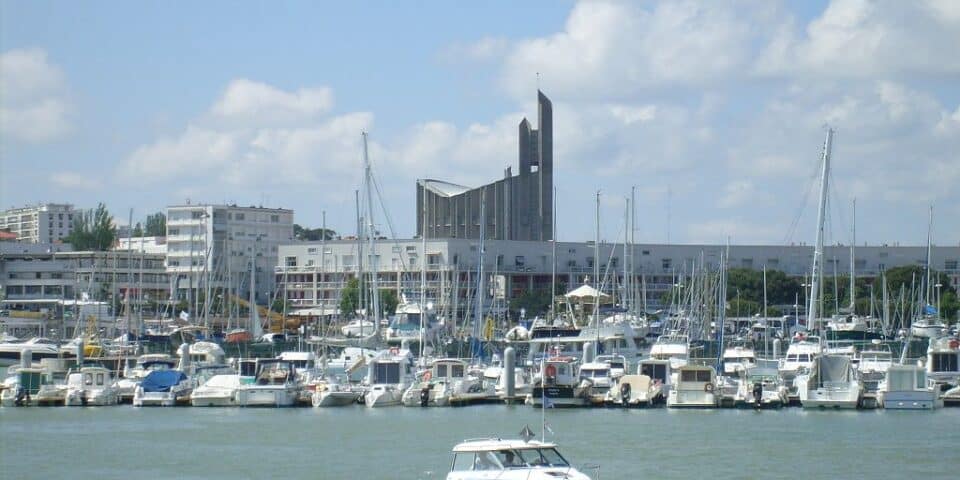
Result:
pixel 738 358
pixel 132 376
pixel 760 388
pixel 928 326
pixel 695 387
pixel 943 360
pixel 91 386
pixel 410 321
pixel 274 385
pixel 800 356
pixel 873 365
pixel 510 460
pixel 333 394
pixel 447 379
pixel 672 347
pixel 906 387
pixel 599 379
pixel 557 385
pixel 163 388
pixel 358 328
pixel 389 375
pixel 38 346
pixel 218 391
pixel 350 366
pixel 832 382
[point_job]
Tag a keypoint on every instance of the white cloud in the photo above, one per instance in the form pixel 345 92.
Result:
pixel 33 101
pixel 862 38
pixel 75 181
pixel 258 101
pixel 256 135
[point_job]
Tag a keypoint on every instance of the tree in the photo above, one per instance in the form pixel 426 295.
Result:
pixel 138 230
pixel 156 225
pixel 92 230
pixel 350 298
pixel 389 301
pixel 312 234
pixel 534 302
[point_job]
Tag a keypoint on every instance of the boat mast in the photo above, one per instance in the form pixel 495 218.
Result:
pixel 626 244
pixel 853 271
pixel 374 267
pixel 478 308
pixel 596 267
pixel 817 272
pixel 423 266
pixel 553 267
pixel 927 267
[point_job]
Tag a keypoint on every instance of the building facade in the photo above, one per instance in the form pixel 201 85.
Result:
pixel 313 274
pixel 213 248
pixel 45 223
pixel 517 207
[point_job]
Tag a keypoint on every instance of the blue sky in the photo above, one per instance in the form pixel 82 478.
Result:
pixel 720 103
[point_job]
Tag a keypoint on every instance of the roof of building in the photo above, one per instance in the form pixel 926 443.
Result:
pixel 442 188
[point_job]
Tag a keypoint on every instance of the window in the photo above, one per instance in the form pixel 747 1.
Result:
pixel 590 261
pixel 240 217
pixel 274 218
pixel 950 265
pixel 572 263
pixel 519 260
pixel 645 252
pixel 290 261
pixel 667 263
pixel 312 251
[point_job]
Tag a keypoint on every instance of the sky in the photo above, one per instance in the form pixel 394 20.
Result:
pixel 713 113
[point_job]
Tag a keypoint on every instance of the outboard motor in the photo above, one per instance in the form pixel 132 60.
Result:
pixel 425 396
pixel 757 394
pixel 625 394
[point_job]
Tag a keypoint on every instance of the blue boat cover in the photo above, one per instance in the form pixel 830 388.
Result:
pixel 161 380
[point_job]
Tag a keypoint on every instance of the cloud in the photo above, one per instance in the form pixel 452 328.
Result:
pixel 33 98
pixel 250 100
pixel 75 181
pixel 861 38
pixel 257 134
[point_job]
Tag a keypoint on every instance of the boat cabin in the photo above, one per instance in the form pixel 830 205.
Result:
pixel 508 459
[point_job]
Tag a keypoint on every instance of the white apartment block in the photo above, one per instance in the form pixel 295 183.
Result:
pixel 312 273
pixel 211 247
pixel 45 223
pixel 155 245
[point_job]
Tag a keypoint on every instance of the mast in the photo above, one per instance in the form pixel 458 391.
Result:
pixel 423 267
pixel 374 267
pixel 626 242
pixel 927 267
pixel 478 308
pixel 553 267
pixel 853 272
pixel 596 267
pixel 812 308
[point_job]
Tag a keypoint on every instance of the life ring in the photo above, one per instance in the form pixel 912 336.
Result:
pixel 394 351
pixel 427 376
pixel 708 387
pixel 954 344
pixel 551 371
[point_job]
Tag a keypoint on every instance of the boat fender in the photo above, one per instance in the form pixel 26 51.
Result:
pixel 954 344
pixel 427 376
pixel 551 371
pixel 625 393
pixel 708 387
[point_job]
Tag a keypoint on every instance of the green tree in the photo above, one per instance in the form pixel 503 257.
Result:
pixel 350 298
pixel 156 225
pixel 388 301
pixel 93 230
pixel 138 230
pixel 312 234
pixel 534 302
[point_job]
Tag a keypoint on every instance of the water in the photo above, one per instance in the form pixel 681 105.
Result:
pixel 412 443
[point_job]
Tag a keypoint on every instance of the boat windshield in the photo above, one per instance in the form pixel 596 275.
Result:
pixel 543 457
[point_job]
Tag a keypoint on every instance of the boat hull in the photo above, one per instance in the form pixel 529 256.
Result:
pixel 333 399
pixel 557 396
pixel 911 400
pixel 260 396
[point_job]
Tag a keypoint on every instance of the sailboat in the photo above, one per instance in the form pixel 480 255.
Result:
pixel 832 382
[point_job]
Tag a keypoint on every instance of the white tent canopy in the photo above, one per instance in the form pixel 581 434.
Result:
pixel 586 292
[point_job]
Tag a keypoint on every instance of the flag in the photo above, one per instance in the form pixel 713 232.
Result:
pixel 184 316
pixel 930 310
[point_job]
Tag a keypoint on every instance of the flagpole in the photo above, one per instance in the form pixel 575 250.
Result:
pixel 543 398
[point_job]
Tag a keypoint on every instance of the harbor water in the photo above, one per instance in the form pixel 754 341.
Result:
pixel 413 443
